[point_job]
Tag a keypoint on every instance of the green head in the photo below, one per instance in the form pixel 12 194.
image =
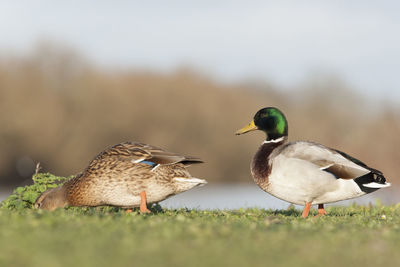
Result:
pixel 269 120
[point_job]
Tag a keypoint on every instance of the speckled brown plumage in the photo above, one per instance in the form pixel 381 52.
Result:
pixel 120 173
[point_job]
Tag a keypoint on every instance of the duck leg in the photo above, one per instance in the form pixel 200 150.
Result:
pixel 321 210
pixel 306 210
pixel 143 203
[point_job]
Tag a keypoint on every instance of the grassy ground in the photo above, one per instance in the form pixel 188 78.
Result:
pixel 361 236
pixel 105 236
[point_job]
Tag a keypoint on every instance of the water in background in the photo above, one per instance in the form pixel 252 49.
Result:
pixel 236 196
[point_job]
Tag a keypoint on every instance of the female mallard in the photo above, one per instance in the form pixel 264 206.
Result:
pixel 125 175
pixel 306 173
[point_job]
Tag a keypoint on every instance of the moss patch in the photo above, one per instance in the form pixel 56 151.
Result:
pixel 24 197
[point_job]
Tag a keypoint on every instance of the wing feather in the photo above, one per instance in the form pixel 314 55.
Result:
pixel 137 152
pixel 326 159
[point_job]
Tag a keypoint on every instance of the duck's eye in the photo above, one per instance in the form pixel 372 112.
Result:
pixel 267 123
pixel 271 122
pixel 37 205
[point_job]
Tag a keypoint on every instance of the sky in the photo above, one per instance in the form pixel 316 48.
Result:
pixel 283 42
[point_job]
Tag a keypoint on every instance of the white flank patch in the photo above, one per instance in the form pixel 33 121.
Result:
pixel 376 185
pixel 138 160
pixel 274 140
pixel 190 180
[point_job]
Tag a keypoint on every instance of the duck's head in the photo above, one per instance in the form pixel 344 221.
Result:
pixel 269 120
pixel 52 199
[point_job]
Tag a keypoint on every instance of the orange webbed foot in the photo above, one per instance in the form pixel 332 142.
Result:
pixel 306 210
pixel 143 203
pixel 321 211
pixel 145 211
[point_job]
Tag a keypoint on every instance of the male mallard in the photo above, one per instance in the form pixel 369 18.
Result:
pixel 125 175
pixel 306 173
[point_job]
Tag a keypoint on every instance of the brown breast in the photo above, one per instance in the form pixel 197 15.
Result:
pixel 260 165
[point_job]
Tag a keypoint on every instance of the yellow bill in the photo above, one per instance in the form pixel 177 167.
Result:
pixel 247 128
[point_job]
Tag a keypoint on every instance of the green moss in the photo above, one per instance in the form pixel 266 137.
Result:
pixel 24 197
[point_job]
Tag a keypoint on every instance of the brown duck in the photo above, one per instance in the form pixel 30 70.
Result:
pixel 125 175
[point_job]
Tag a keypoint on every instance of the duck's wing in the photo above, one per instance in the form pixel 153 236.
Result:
pixel 338 163
pixel 144 153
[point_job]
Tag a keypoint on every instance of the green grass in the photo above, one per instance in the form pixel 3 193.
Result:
pixel 109 237
pixel 356 235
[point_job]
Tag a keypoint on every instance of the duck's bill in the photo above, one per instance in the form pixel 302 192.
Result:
pixel 247 128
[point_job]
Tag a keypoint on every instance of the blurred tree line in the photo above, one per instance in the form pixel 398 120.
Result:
pixel 58 109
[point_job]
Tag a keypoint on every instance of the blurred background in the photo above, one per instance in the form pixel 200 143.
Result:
pixel 77 77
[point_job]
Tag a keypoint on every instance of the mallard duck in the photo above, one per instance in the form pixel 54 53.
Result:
pixel 306 173
pixel 125 175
